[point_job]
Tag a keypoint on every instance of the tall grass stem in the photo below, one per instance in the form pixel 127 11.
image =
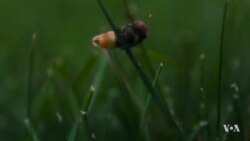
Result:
pixel 204 106
pixel 30 130
pixel 221 48
pixel 30 75
pixel 149 97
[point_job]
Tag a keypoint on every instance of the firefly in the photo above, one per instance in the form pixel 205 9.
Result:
pixel 131 35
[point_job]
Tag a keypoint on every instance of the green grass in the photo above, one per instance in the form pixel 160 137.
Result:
pixel 57 86
pixel 221 59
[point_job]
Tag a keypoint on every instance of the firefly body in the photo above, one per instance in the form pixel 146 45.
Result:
pixel 130 36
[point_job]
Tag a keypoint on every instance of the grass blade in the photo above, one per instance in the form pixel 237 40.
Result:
pixel 220 71
pixel 149 97
pixel 238 110
pixel 72 134
pixel 197 130
pixel 203 104
pixel 123 80
pixel 97 81
pixel 30 130
pixel 30 76
pixel 107 16
pixel 87 104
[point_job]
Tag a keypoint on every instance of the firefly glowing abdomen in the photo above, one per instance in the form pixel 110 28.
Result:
pixel 105 40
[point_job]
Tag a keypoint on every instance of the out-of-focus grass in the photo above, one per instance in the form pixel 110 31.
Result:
pixel 66 65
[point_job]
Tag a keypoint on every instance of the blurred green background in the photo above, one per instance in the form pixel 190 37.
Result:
pixel 66 66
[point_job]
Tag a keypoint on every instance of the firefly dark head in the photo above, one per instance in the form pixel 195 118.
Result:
pixel 140 28
pixel 133 34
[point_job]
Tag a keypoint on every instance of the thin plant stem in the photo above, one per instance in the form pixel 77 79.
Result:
pixel 30 76
pixel 160 101
pixel 149 97
pixel 131 18
pixel 144 52
pixel 220 71
pixel 202 69
pixel 206 112
pixel 203 96
pixel 31 130
pixel 83 115
pixel 72 134
pixel 133 103
pixel 128 13
pixel 90 99
pixel 145 112
pixel 107 16
pixel 201 126
pixel 85 109
pixel 145 80
pixel 238 110
pixel 122 79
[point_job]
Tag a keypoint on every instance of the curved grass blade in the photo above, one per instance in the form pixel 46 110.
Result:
pixel 87 104
pixel 149 97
